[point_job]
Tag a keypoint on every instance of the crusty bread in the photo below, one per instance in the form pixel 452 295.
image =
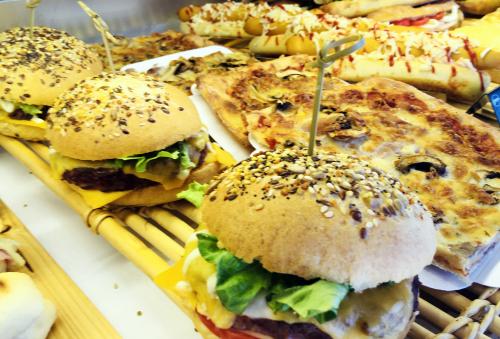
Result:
pixel 24 313
pixel 405 11
pixel 458 82
pixel 479 7
pixel 31 133
pixel 354 8
pixel 156 195
pixel 326 223
pixel 120 114
pixel 35 70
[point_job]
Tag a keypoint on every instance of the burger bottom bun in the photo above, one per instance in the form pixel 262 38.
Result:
pixel 156 195
pixel 22 132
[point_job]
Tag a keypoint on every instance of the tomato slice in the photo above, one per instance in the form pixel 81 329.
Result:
pixel 420 22
pixel 403 22
pixel 438 16
pixel 222 333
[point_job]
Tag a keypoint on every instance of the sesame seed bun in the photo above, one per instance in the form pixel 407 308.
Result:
pixel 332 217
pixel 120 114
pixel 156 195
pixel 36 69
pixel 23 132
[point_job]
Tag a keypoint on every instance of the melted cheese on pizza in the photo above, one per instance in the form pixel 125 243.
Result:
pixel 451 160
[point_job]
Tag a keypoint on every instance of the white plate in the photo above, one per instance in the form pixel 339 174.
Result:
pixel 165 60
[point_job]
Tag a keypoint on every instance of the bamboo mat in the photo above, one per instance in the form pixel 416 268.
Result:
pixel 153 239
pixel 77 317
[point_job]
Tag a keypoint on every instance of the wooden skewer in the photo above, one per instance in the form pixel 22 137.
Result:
pixel 101 26
pixel 153 235
pixel 170 223
pixel 32 5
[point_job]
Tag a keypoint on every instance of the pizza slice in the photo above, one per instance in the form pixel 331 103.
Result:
pixel 276 83
pixel 451 160
pixel 132 50
pixel 183 72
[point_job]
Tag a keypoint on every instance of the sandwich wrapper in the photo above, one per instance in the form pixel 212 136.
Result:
pixel 487 271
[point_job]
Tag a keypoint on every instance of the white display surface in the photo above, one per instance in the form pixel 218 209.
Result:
pixel 118 289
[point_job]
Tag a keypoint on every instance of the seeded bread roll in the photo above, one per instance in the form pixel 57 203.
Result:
pixel 36 69
pixel 331 216
pixel 120 114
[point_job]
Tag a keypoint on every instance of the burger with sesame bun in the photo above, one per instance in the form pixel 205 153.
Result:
pixel 129 139
pixel 34 70
pixel 293 246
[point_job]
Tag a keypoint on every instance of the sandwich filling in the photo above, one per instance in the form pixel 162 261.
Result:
pixel 23 114
pixel 444 19
pixel 169 167
pixel 236 299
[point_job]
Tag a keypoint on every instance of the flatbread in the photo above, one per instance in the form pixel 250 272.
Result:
pixel 450 159
pixel 24 313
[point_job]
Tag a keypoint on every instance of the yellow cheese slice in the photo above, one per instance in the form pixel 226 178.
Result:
pixel 192 287
pixel 40 124
pixel 220 156
pixel 96 199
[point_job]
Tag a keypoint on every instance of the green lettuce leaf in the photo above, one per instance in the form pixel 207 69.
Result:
pixel 30 109
pixel 186 162
pixel 238 283
pixel 320 299
pixel 142 161
pixel 194 193
pixel 178 151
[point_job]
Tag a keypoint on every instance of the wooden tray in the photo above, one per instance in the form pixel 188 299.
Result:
pixel 77 317
pixel 153 238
